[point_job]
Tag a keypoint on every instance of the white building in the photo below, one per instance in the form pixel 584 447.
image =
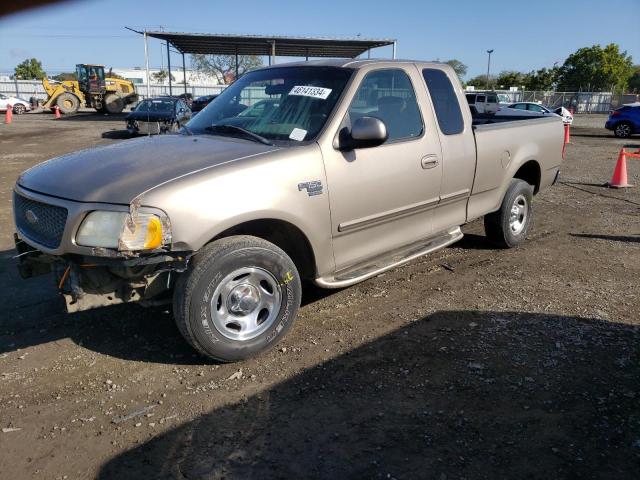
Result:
pixel 137 75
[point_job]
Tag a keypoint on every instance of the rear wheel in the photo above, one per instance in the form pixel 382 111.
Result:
pixel 68 103
pixel 19 109
pixel 509 226
pixel 113 103
pixel 239 297
pixel 623 130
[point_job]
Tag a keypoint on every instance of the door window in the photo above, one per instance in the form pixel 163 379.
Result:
pixel 520 106
pixel 480 99
pixel 389 96
pixel 445 101
pixel 536 108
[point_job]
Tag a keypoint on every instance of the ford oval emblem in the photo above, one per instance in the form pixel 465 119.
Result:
pixel 32 218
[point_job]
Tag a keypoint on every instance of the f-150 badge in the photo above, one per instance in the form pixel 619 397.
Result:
pixel 313 188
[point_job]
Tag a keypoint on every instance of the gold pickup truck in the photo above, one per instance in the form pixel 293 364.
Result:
pixel 331 171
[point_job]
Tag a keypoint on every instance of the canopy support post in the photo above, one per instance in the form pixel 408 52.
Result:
pixel 236 78
pixel 395 43
pixel 184 75
pixel 273 52
pixel 146 63
pixel 169 68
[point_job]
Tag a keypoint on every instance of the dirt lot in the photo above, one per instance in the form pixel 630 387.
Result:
pixel 469 363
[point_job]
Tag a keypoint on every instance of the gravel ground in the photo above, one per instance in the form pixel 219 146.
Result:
pixel 469 363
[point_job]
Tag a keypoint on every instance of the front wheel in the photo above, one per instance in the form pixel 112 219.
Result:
pixel 239 297
pixel 622 130
pixel 19 109
pixel 509 226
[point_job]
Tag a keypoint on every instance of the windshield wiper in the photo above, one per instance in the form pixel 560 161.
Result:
pixel 238 130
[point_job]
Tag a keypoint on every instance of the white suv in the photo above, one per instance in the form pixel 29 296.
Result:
pixel 483 102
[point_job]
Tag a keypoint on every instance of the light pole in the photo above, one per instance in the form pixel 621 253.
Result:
pixel 489 66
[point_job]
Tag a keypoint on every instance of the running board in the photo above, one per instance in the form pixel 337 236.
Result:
pixel 387 261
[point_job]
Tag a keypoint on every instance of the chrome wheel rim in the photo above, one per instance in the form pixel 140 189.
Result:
pixel 245 303
pixel 623 130
pixel 518 214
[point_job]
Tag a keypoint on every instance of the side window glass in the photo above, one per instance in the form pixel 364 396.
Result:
pixel 389 96
pixel 480 99
pixel 445 101
pixel 520 106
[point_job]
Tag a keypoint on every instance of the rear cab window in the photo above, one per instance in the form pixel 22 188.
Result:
pixel 445 101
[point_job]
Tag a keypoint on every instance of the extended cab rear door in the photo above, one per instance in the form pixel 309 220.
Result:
pixel 454 126
pixel 383 197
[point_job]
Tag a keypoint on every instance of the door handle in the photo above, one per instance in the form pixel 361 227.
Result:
pixel 429 161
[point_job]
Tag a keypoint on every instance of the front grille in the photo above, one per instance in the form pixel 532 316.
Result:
pixel 39 222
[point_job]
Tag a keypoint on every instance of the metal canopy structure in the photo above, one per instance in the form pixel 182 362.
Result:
pixel 260 45
pixel 220 44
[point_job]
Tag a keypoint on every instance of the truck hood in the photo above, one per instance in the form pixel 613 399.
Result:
pixel 120 172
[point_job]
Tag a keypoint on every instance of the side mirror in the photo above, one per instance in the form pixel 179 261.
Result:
pixel 366 132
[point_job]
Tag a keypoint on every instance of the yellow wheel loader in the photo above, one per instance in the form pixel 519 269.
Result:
pixel 91 90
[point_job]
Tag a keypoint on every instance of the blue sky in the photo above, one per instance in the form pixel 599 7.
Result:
pixel 524 35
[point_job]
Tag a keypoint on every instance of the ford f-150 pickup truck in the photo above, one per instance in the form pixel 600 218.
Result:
pixel 347 168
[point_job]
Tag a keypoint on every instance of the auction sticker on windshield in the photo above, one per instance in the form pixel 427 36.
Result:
pixel 314 92
pixel 298 134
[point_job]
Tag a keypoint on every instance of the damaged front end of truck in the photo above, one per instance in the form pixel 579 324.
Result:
pixel 99 255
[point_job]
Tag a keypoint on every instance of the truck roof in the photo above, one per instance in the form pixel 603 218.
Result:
pixel 352 63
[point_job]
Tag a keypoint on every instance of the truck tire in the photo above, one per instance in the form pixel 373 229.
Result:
pixel 113 103
pixel 509 226
pixel 239 297
pixel 68 103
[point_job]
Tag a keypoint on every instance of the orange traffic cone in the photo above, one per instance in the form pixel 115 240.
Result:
pixel 619 179
pixel 8 116
pixel 56 110
pixel 567 136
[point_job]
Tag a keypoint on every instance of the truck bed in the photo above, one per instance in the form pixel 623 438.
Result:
pixel 502 143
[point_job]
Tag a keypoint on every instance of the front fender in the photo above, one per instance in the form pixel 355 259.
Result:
pixel 287 185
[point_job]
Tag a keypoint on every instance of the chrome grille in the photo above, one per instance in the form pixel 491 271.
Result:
pixel 39 222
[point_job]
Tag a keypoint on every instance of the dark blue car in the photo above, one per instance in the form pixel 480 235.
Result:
pixel 624 121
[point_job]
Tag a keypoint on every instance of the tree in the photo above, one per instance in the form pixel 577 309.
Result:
pixel 30 69
pixel 61 77
pixel 459 67
pixel 161 76
pixel 542 79
pixel 223 67
pixel 509 78
pixel 634 81
pixel 596 69
pixel 480 81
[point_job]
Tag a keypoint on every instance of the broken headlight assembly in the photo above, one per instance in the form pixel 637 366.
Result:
pixel 124 231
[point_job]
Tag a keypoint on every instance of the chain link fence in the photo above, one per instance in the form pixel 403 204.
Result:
pixel 581 102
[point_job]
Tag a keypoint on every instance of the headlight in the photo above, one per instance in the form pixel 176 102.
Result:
pixel 122 231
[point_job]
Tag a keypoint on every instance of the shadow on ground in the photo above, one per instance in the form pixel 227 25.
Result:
pixel 616 238
pixel 457 394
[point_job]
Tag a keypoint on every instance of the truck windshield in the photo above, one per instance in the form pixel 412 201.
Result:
pixel 284 104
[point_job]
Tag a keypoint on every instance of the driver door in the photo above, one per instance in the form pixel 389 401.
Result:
pixel 383 197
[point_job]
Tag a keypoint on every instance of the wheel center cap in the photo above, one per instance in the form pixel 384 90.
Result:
pixel 243 299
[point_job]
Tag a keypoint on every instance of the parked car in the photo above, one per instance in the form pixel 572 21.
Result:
pixel 201 102
pixel 227 218
pixel 158 115
pixel 19 105
pixel 624 121
pixel 482 102
pixel 533 109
